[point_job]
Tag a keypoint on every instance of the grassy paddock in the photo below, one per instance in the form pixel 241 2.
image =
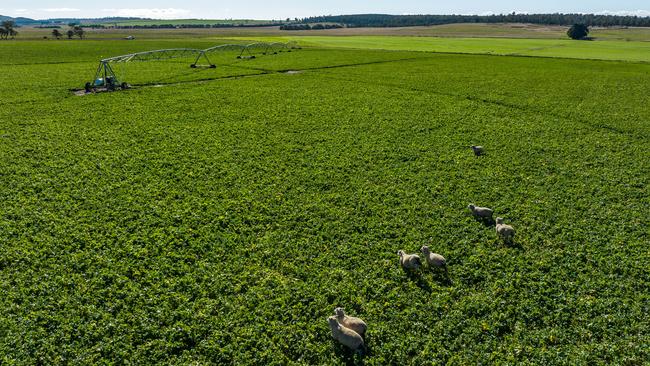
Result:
pixel 603 50
pixel 527 31
pixel 221 217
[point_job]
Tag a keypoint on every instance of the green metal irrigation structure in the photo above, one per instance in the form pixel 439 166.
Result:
pixel 106 78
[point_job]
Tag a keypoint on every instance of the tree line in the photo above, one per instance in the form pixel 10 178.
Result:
pixel 75 30
pixel 384 20
pixel 188 26
pixel 309 27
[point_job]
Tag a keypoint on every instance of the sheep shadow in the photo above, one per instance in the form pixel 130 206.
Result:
pixel 350 357
pixel 416 277
pixel 441 276
pixel 486 222
pixel 512 244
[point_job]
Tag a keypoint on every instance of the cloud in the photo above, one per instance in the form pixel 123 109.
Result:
pixel 60 10
pixel 155 13
pixel 638 13
pixel 21 11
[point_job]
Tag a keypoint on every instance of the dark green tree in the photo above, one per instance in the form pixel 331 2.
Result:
pixel 578 31
pixel 70 33
pixel 7 29
pixel 78 31
pixel 56 34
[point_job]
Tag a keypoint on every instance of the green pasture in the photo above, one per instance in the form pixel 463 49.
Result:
pixel 509 30
pixel 474 30
pixel 600 50
pixel 218 216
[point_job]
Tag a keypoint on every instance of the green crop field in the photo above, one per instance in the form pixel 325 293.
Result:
pixel 218 216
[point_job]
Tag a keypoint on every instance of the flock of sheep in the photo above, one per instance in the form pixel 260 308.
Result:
pixel 350 331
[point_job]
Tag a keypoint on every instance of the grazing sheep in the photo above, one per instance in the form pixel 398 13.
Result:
pixel 409 261
pixel 434 259
pixel 506 232
pixel 351 322
pixel 478 150
pixel 481 212
pixel 345 336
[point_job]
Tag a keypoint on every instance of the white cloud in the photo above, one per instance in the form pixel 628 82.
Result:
pixel 639 13
pixel 60 10
pixel 155 13
pixel 21 11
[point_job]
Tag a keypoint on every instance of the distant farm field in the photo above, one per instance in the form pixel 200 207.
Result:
pixel 600 50
pixel 218 216
pixel 473 30
pixel 144 22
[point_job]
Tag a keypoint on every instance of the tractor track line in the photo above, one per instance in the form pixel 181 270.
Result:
pixel 263 72
pixel 597 126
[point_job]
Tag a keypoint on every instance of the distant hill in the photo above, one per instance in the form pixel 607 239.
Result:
pixel 94 20
pixel 153 22
pixel 19 20
pixel 133 22
pixel 28 21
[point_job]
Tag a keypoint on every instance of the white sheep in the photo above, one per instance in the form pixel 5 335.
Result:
pixel 351 322
pixel 434 259
pixel 481 212
pixel 345 336
pixel 478 150
pixel 506 232
pixel 409 261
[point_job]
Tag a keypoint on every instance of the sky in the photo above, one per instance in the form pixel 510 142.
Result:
pixel 281 9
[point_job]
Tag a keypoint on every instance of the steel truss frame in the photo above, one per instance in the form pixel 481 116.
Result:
pixel 106 77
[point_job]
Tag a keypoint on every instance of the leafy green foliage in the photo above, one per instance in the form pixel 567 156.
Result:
pixel 222 221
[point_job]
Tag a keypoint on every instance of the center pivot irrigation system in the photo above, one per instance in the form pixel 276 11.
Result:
pixel 107 80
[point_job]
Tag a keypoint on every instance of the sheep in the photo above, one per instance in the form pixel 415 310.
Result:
pixel 483 213
pixel 506 232
pixel 478 150
pixel 345 336
pixel 351 322
pixel 434 259
pixel 409 261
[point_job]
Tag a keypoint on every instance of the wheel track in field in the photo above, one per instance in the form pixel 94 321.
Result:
pixel 265 72
pixel 260 72
pixel 500 103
